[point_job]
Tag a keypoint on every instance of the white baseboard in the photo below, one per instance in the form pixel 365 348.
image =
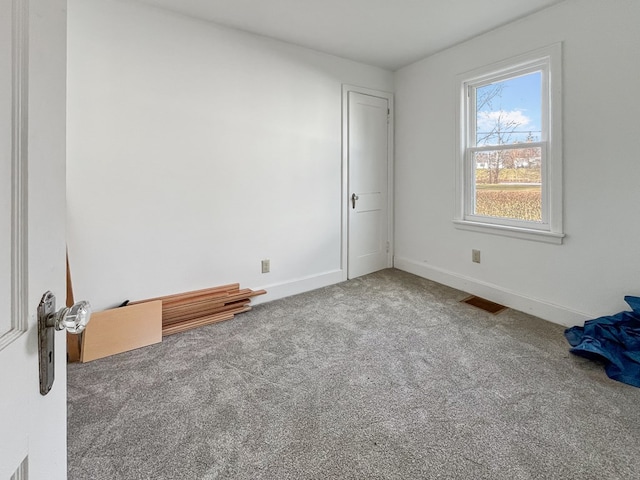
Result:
pixel 299 285
pixel 539 308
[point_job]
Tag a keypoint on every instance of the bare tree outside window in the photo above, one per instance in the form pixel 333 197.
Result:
pixel 508 182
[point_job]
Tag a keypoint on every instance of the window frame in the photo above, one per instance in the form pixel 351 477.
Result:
pixel 548 61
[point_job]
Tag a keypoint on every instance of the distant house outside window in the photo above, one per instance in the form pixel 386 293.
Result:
pixel 510 152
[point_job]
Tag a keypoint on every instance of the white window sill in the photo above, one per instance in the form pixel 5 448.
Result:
pixel 508 231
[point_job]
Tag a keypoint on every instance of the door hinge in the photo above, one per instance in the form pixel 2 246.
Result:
pixel 388 116
pixel 388 247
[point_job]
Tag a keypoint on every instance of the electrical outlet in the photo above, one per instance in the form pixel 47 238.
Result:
pixel 266 266
pixel 475 256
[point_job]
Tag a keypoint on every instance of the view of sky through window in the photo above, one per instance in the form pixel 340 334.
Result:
pixel 509 111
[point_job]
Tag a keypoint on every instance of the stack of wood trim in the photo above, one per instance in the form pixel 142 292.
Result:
pixel 184 311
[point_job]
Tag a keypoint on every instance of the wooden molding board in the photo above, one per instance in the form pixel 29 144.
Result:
pixel 201 322
pixel 184 311
pixel 122 329
pixel 198 322
pixel 188 324
pixel 167 320
pixel 177 297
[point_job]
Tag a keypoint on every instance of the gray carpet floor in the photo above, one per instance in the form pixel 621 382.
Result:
pixel 387 376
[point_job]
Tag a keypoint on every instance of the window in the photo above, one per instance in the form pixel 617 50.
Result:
pixel 509 171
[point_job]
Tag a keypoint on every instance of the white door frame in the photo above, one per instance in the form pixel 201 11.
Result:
pixel 344 257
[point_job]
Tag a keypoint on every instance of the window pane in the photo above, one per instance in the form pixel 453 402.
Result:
pixel 509 111
pixel 508 183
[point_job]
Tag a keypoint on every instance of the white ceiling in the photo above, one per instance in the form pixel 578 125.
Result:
pixel 386 33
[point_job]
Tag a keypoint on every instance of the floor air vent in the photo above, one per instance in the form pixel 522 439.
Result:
pixel 485 305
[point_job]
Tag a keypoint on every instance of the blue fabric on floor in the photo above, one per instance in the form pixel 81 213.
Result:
pixel 614 339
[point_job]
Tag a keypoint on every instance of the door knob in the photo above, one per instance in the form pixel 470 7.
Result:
pixel 73 320
pixel 354 197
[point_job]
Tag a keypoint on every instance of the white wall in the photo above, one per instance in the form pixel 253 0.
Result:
pixel 195 151
pixel 599 262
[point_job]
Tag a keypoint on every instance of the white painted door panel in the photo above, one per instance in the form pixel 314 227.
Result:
pixel 32 238
pixel 5 167
pixel 368 150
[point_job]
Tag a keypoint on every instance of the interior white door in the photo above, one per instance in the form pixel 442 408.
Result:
pixel 32 235
pixel 368 163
